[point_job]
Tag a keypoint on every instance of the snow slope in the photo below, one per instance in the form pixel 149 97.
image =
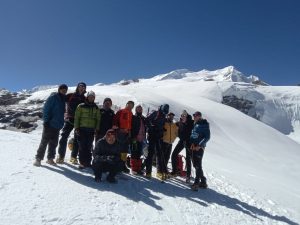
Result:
pixel 252 170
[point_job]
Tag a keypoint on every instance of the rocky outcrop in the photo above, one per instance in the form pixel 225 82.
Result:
pixel 243 105
pixel 16 116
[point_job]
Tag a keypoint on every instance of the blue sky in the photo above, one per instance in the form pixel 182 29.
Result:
pixel 67 41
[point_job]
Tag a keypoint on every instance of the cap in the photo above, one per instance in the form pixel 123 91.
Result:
pixel 107 100
pixel 110 132
pixel 197 113
pixel 91 93
pixel 62 86
pixel 171 114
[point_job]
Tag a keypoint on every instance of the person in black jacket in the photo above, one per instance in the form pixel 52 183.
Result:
pixel 107 157
pixel 185 126
pixel 199 137
pixel 155 127
pixel 72 101
pixel 107 116
pixel 138 136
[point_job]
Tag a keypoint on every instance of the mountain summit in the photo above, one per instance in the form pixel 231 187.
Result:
pixel 229 73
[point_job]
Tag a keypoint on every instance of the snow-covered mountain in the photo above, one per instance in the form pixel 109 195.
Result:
pixel 252 168
pixel 229 73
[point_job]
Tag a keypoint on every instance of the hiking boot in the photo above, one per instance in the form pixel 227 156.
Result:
pixel 74 161
pixel 174 174
pixel 203 185
pixel 98 179
pixel 195 186
pixel 160 175
pixel 37 162
pixel 111 179
pixel 60 160
pixel 148 175
pixel 51 162
pixel 140 172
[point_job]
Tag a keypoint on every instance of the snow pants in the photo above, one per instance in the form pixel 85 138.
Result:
pixel 50 139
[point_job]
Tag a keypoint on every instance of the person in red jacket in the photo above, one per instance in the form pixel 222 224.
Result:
pixel 122 122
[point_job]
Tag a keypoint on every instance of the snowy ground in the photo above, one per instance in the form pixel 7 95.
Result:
pixel 65 195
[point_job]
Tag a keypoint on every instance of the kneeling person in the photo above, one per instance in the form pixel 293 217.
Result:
pixel 107 157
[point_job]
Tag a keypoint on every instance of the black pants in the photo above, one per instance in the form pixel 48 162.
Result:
pixel 113 167
pixel 197 161
pixel 50 139
pixel 65 133
pixel 123 139
pixel 154 147
pixel 178 148
pixel 85 142
pixel 166 150
pixel 136 150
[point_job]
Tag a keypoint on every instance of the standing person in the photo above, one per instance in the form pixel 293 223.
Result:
pixel 53 116
pixel 72 101
pixel 155 125
pixel 107 157
pixel 107 116
pixel 199 137
pixel 87 122
pixel 170 134
pixel 185 126
pixel 138 135
pixel 123 122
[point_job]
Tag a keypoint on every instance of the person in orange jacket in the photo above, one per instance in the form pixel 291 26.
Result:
pixel 122 122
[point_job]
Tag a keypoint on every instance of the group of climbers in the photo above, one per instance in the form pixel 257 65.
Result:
pixel 118 134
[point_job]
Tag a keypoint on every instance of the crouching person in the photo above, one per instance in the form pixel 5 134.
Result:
pixel 107 157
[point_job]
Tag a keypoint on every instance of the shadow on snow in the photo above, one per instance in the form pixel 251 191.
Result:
pixel 140 189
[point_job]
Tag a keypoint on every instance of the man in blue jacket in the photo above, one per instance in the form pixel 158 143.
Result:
pixel 53 116
pixel 199 137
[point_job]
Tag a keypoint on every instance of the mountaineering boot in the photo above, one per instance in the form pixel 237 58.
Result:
pixel 203 185
pixel 148 175
pixel 73 161
pixel 195 186
pixel 98 179
pixel 37 162
pixel 60 160
pixel 111 179
pixel 51 162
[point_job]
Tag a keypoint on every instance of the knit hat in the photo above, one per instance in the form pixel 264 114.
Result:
pixel 62 86
pixel 91 93
pixel 184 113
pixel 81 84
pixel 107 100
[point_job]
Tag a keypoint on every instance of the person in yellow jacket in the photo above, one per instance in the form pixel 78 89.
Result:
pixel 169 136
pixel 86 124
